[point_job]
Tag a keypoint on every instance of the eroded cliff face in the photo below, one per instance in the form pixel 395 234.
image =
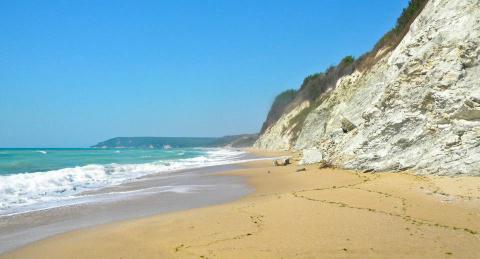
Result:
pixel 417 108
pixel 280 136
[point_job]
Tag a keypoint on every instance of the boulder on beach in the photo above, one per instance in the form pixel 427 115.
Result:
pixel 281 162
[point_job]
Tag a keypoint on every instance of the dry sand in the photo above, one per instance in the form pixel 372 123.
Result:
pixel 317 213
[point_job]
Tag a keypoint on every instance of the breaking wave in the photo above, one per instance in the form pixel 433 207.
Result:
pixel 24 189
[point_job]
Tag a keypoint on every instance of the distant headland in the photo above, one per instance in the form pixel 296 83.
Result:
pixel 243 140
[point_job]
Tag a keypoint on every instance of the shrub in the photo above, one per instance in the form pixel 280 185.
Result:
pixel 393 37
pixel 315 85
pixel 278 107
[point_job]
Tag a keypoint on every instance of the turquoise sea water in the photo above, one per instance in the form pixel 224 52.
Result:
pixel 29 160
pixel 31 178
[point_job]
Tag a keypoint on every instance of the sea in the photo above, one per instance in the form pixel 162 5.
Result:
pixel 41 178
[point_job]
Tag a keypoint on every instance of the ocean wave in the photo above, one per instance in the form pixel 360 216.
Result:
pixel 20 190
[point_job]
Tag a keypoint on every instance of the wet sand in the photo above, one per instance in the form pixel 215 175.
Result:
pixel 316 213
pixel 150 195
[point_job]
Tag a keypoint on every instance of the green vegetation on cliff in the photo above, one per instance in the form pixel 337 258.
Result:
pixel 316 85
pixel 393 37
pixel 278 107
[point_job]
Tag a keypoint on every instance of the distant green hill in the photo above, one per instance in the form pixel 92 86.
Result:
pixel 244 140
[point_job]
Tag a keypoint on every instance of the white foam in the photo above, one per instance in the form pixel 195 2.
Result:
pixel 67 201
pixel 27 189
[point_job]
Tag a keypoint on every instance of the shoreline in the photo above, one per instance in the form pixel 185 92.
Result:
pixel 149 195
pixel 61 183
pixel 312 213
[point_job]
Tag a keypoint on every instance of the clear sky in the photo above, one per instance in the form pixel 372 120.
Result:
pixel 73 73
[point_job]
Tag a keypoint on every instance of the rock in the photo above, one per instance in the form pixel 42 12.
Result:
pixel 311 156
pixel 301 169
pixel 452 140
pixel 281 162
pixel 347 125
pixel 324 164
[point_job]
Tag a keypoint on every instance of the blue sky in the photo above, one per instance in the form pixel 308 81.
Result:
pixel 73 73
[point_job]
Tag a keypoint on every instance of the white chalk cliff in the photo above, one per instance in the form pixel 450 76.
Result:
pixel 417 108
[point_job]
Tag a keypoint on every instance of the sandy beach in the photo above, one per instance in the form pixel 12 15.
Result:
pixel 228 129
pixel 316 213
